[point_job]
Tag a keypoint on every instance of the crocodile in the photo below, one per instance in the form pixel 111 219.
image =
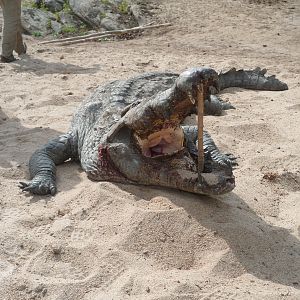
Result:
pixel 130 131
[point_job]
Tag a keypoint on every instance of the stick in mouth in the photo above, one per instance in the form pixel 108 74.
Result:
pixel 200 96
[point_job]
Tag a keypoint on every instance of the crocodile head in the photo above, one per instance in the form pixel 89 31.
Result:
pixel 148 146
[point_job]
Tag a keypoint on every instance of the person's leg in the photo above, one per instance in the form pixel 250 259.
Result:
pixel 12 38
pixel 20 47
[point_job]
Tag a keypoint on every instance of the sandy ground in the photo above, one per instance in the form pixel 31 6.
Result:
pixel 111 241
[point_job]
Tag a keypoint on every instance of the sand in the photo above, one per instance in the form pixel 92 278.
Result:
pixel 112 241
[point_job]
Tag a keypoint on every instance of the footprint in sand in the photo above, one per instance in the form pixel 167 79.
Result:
pixel 13 215
pixel 12 247
pixel 81 237
pixel 6 269
pixel 66 265
pixel 43 230
pixel 61 264
pixel 16 245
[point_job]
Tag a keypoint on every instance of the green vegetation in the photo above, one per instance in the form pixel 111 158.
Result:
pixel 31 4
pixel 49 25
pixel 105 2
pixel 66 29
pixel 69 29
pixel 102 15
pixel 73 30
pixel 37 34
pixel 28 3
pixel 57 16
pixel 67 7
pixel 123 7
pixel 43 7
pixel 83 28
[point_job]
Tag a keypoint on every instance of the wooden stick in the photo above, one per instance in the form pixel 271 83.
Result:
pixel 86 40
pixel 79 37
pixel 73 38
pixel 200 97
pixel 101 34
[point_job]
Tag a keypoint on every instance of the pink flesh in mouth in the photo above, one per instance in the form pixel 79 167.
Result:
pixel 157 150
pixel 165 142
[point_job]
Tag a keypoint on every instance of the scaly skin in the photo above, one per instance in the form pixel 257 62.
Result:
pixel 104 129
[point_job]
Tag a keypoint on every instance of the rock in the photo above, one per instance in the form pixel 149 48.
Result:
pixel 54 5
pixel 69 19
pixel 96 14
pixel 57 27
pixel 37 21
pixel 108 14
pixel 89 11
pixel 138 14
pixel 140 11
pixel 112 22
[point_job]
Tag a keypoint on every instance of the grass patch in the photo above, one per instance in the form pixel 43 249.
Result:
pixel 32 4
pixel 49 25
pixel 67 7
pixel 37 34
pixel 102 15
pixel 123 7
pixel 69 29
pixel 57 16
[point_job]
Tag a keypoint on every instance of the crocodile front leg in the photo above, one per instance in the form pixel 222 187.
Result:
pixel 210 148
pixel 42 164
pixel 214 106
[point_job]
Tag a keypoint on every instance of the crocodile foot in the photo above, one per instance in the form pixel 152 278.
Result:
pixel 40 186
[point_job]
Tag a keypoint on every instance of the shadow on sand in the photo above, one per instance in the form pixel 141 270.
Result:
pixel 40 67
pixel 265 251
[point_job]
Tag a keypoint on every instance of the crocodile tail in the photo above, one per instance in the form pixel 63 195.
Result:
pixel 250 79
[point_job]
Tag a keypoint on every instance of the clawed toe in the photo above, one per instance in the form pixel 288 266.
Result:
pixel 39 187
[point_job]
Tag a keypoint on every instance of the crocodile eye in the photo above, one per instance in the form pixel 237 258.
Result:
pixel 167 141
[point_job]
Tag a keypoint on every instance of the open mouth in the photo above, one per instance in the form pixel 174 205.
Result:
pixel 167 141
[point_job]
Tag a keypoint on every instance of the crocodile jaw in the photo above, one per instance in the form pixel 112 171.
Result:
pixel 146 146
